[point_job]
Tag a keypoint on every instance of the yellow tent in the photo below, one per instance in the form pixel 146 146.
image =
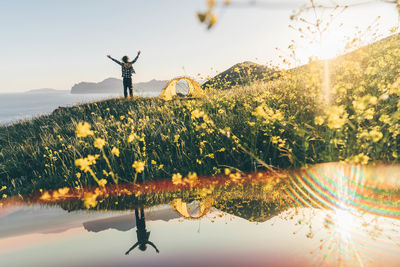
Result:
pixel 170 90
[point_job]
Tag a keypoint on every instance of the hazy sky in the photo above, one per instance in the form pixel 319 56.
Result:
pixel 55 44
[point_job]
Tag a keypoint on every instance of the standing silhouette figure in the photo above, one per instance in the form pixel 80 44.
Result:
pixel 142 234
pixel 127 71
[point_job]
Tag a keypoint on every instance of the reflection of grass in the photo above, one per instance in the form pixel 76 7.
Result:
pixel 255 197
pixel 283 123
pixel 231 196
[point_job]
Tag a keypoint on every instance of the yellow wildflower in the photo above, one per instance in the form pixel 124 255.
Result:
pixel 132 137
pixel 213 20
pixel 361 158
pixel 211 156
pixel 192 175
pixel 115 151
pixel 373 100
pixel 63 191
pixel 176 138
pixel 235 177
pixel 385 119
pixel 102 182
pixel 45 196
pixel 319 120
pixel 138 166
pixel 85 163
pixel 99 143
pixel 177 179
pixel 337 117
pixel 369 114
pixel 268 114
pixel 83 129
pixel 90 200
pixel 191 179
pixel 375 135
pixel 197 114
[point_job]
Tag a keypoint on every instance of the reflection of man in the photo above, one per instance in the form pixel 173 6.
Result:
pixel 142 234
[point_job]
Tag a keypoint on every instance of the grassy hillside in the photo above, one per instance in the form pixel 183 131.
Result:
pixel 241 74
pixel 282 123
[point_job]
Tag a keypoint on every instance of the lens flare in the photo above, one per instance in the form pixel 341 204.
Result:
pixel 346 187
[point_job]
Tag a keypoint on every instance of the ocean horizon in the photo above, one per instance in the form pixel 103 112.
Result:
pixel 15 107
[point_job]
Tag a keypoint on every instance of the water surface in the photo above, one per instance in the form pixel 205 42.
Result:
pixel 327 215
pixel 21 106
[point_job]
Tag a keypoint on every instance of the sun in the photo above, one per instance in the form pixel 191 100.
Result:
pixel 345 223
pixel 330 46
pixel 328 43
pixel 345 227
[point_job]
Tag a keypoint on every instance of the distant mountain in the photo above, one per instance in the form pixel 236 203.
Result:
pixel 153 85
pixel 114 86
pixel 251 210
pixel 240 74
pixel 127 222
pixel 44 90
pixel 110 85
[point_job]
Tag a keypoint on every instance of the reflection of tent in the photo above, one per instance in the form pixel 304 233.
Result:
pixel 182 207
pixel 170 90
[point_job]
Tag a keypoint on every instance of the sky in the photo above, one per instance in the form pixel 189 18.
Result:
pixel 56 44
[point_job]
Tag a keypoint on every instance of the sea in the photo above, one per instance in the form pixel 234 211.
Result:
pixel 15 107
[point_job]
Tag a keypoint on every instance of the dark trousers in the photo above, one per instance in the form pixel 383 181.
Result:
pixel 140 220
pixel 127 86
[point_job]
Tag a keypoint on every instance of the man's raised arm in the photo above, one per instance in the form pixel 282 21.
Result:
pixel 113 59
pixel 154 246
pixel 136 58
pixel 132 248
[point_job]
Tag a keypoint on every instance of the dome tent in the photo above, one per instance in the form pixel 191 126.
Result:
pixel 170 89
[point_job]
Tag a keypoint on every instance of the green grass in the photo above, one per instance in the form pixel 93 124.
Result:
pixel 36 154
pixel 284 123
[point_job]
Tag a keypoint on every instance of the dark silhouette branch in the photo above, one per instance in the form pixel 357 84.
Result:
pixel 292 5
pixel 210 18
